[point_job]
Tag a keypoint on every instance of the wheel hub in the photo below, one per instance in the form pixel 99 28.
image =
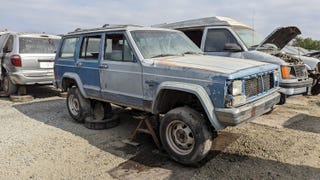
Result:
pixel 180 137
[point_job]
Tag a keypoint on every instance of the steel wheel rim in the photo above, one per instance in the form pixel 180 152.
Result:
pixel 180 137
pixel 74 105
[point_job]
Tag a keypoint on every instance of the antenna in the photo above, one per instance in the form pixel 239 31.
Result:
pixel 253 14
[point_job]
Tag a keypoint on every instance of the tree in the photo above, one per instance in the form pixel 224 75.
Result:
pixel 307 43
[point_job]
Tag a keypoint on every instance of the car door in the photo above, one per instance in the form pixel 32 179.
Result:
pixel 87 64
pixel 215 40
pixel 120 72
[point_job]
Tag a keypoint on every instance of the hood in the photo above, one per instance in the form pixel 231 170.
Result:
pixel 281 36
pixel 216 64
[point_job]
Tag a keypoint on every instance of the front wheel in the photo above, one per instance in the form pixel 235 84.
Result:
pixel 78 106
pixel 185 135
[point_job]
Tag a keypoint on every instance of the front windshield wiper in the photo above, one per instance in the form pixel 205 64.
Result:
pixel 191 52
pixel 163 55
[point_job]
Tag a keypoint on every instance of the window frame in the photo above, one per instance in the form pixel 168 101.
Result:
pixel 216 29
pixel 82 39
pixel 75 47
pixel 125 37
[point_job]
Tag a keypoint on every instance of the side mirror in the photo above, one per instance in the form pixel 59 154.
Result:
pixel 7 49
pixel 232 47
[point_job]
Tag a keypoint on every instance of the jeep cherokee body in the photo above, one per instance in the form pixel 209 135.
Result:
pixel 162 72
pixel 223 36
pixel 26 59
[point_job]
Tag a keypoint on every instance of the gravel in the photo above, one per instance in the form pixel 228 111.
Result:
pixel 39 140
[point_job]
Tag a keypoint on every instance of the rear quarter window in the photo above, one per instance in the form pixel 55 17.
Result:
pixel 68 48
pixel 30 45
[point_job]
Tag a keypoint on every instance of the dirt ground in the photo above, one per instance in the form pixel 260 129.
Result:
pixel 39 140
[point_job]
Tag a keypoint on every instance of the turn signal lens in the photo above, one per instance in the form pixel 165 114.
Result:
pixel 285 72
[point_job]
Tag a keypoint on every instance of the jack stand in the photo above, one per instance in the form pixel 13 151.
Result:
pixel 148 130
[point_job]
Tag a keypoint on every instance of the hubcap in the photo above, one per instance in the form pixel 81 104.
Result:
pixel 180 137
pixel 74 105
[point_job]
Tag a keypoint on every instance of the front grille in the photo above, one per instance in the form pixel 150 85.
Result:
pixel 259 84
pixel 300 71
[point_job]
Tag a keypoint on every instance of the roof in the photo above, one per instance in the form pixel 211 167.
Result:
pixel 29 34
pixel 202 22
pixel 118 27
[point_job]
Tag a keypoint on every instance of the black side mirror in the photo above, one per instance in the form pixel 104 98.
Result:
pixel 7 49
pixel 232 47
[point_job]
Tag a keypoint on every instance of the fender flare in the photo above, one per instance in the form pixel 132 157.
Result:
pixel 195 89
pixel 77 79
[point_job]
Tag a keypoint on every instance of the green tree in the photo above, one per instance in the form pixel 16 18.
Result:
pixel 307 43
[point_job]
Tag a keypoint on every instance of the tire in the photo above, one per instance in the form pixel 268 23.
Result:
pixel 102 117
pixel 101 110
pixel 283 99
pixel 185 135
pixel 7 86
pixel 78 106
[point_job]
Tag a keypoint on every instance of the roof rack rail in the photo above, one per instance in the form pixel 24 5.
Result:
pixel 105 26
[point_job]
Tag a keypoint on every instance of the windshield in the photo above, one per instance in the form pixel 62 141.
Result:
pixel 248 36
pixel 38 45
pixel 156 43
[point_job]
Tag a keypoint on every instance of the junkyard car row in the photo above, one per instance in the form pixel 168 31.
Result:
pixel 194 91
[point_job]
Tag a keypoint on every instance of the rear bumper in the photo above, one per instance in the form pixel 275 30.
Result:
pixel 235 116
pixel 30 79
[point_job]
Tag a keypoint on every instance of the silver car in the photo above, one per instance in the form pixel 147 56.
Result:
pixel 26 59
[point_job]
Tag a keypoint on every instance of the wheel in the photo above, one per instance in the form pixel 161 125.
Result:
pixel 78 106
pixel 283 99
pixel 102 117
pixel 102 110
pixel 185 135
pixel 8 87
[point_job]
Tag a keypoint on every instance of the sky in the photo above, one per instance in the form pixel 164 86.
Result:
pixel 62 16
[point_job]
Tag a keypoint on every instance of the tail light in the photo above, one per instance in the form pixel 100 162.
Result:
pixel 16 60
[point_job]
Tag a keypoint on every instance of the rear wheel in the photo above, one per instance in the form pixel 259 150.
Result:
pixel 78 106
pixel 8 87
pixel 185 135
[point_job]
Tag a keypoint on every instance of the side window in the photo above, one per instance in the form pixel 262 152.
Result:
pixel 90 47
pixel 216 40
pixel 68 48
pixel 9 44
pixel 117 48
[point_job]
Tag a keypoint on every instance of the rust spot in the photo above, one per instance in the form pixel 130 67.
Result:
pixel 174 64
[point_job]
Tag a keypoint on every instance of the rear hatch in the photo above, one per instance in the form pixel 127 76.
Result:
pixel 37 54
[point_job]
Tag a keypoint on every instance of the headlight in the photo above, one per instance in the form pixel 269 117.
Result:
pixel 235 96
pixel 236 87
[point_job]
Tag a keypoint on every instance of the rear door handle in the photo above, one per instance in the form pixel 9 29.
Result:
pixel 104 66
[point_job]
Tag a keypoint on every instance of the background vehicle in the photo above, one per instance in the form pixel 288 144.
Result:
pixel 26 59
pixel 227 37
pixel 161 71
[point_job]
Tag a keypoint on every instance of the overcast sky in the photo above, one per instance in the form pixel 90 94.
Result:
pixel 62 16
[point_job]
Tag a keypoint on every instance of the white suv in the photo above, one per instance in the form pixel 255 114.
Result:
pixel 26 59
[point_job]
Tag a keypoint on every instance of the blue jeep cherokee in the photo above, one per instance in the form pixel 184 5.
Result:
pixel 163 72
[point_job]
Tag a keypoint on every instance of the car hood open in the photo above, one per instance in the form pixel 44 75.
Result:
pixel 281 36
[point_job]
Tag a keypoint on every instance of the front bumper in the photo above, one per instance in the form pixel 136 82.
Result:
pixel 292 88
pixel 235 116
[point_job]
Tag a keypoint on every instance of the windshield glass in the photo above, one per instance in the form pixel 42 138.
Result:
pixel 157 43
pixel 38 45
pixel 248 36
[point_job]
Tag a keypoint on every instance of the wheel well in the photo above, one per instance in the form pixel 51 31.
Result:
pixel 170 99
pixel 68 83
